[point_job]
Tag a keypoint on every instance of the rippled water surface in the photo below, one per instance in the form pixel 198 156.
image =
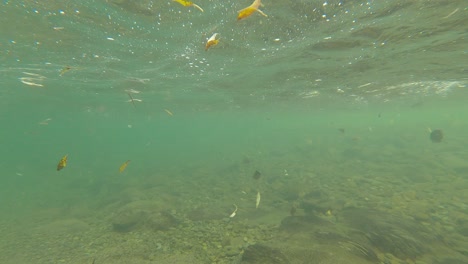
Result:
pixel 334 104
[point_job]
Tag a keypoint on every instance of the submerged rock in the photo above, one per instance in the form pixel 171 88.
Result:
pixel 126 221
pixel 263 254
pixel 436 136
pixel 303 223
pixel 297 250
pixel 402 237
pixel 162 220
pixel 143 214
pixel 311 229
pixel 361 231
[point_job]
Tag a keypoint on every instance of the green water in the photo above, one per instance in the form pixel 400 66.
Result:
pixel 332 102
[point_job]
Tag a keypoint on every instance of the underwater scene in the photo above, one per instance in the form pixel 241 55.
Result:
pixel 240 131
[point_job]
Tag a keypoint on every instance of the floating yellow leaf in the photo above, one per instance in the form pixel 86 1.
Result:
pixel 248 11
pixel 188 3
pixel 62 163
pixel 124 166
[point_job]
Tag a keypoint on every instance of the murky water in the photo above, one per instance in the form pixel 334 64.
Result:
pixel 333 103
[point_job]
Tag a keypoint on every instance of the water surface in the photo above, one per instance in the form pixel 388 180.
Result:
pixel 333 102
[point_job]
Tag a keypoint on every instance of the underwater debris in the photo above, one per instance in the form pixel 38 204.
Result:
pixel 436 136
pixel 212 41
pixel 188 3
pixel 124 166
pixel 25 81
pixel 257 175
pixel 168 112
pixel 45 121
pixel 257 203
pixel 62 163
pixel 133 91
pixel 65 69
pixel 234 213
pixel 31 79
pixel 248 11
pixel 131 99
